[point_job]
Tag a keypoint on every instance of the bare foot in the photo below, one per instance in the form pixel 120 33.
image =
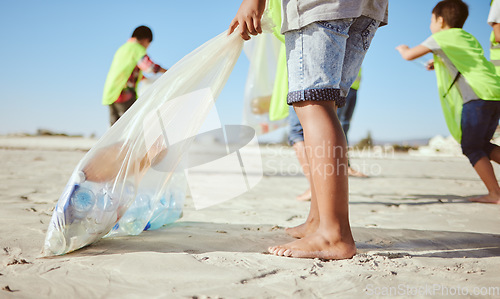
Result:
pixel 489 198
pixel 306 196
pixel 354 173
pixel 300 231
pixel 318 245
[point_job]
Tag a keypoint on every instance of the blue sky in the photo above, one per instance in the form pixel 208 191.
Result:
pixel 56 55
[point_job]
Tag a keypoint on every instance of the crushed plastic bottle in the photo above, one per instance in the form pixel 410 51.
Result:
pixel 90 209
pixel 81 202
pixel 168 210
pixel 149 212
pixel 136 218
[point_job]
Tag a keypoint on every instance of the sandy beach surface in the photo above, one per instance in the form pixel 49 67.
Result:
pixel 415 231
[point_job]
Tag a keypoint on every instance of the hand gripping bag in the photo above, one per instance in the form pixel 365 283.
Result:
pixel 116 189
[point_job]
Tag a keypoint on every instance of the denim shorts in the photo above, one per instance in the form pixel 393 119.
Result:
pixel 323 58
pixel 296 132
pixel 479 122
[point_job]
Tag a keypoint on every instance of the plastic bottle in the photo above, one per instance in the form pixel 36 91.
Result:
pixel 160 213
pixel 169 207
pixel 136 218
pixel 151 210
pixel 106 200
pixel 82 201
pixel 177 203
pixel 109 198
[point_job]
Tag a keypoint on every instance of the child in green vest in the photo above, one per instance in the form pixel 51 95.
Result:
pixel 120 93
pixel 468 87
pixel 129 62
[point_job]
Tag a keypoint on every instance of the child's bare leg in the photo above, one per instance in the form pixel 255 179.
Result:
pixel 312 221
pixel 327 154
pixel 485 171
pixel 300 152
pixel 495 154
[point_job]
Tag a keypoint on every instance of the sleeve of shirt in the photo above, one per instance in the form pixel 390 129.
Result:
pixel 147 65
pixel 431 43
pixel 494 15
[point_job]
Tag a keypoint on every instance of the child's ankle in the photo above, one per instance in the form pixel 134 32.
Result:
pixel 494 193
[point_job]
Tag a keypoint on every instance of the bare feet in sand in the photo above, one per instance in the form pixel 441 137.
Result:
pixel 306 196
pixel 489 198
pixel 305 229
pixel 321 244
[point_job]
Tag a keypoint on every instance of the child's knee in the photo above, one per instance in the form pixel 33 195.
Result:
pixel 490 147
pixel 473 154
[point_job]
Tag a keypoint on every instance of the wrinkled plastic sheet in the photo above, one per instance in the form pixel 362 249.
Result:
pixel 133 178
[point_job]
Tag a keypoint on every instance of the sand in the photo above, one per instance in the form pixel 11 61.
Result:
pixel 415 231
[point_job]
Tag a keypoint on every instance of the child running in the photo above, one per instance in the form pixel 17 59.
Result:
pixel 468 87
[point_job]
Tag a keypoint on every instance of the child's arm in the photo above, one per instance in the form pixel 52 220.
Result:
pixel 412 53
pixel 248 18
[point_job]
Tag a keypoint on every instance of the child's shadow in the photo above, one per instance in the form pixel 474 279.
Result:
pixel 193 238
pixel 427 243
pixel 204 237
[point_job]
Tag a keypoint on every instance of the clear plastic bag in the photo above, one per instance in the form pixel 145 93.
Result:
pixel 116 189
pixel 263 52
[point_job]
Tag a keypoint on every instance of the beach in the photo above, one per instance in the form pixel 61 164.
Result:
pixel 415 230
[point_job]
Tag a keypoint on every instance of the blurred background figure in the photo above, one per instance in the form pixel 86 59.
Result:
pixel 129 62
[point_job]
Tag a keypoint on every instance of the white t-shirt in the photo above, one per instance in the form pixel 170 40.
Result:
pixel 494 16
pixel 299 13
pixel 463 86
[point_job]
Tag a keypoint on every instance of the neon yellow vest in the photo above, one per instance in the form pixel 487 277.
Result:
pixel 357 82
pixel 124 62
pixel 275 13
pixel 494 51
pixel 467 55
pixel 278 108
